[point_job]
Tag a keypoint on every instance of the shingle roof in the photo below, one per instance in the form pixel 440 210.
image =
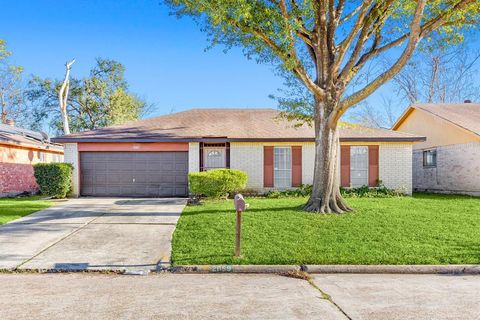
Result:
pixel 465 115
pixel 227 124
pixel 27 138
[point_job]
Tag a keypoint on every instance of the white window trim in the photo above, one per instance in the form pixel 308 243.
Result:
pixel 367 166
pixel 275 185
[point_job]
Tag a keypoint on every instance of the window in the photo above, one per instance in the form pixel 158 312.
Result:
pixel 214 157
pixel 282 167
pixel 56 158
pixel 430 158
pixel 42 156
pixel 358 166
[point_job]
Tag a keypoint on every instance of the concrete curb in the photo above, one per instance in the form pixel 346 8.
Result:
pixel 400 269
pixel 372 269
pixel 235 269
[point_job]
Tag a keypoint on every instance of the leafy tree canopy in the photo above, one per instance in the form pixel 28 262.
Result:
pixel 99 100
pixel 12 105
pixel 330 43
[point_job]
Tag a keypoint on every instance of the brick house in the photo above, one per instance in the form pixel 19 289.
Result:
pixel 152 157
pixel 449 160
pixel 20 149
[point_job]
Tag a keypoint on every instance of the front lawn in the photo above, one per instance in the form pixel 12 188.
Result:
pixel 14 208
pixel 423 229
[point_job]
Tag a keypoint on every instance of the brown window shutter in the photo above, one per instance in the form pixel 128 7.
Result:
pixel 296 166
pixel 200 160
pixel 268 166
pixel 227 162
pixel 345 166
pixel 373 166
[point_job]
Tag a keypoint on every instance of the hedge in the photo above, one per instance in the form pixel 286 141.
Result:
pixel 54 179
pixel 217 182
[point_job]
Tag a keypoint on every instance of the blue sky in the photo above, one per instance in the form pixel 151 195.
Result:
pixel 165 58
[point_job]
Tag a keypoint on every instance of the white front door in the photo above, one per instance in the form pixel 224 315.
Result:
pixel 359 166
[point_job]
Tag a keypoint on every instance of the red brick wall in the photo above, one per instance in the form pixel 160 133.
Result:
pixel 17 177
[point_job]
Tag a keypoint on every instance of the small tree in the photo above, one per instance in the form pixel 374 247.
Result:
pixel 11 90
pixel 326 45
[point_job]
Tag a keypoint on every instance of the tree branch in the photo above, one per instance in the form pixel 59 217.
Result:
pixel 373 22
pixel 360 95
pixel 286 57
pixel 350 15
pixel 346 43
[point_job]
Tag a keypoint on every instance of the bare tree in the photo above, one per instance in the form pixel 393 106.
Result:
pixel 63 97
pixel 376 116
pixel 439 76
pixel 434 75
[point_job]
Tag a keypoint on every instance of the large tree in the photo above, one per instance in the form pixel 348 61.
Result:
pixel 326 45
pixel 99 100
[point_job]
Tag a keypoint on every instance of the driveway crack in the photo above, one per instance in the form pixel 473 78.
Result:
pixel 328 297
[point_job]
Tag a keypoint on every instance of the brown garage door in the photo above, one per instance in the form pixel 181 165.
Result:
pixel 134 174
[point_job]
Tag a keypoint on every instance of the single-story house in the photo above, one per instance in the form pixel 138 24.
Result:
pixel 20 149
pixel 449 160
pixel 152 157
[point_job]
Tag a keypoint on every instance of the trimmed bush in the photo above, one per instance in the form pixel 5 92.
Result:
pixel 54 179
pixel 217 182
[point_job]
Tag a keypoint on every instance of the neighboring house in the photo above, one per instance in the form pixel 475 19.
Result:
pixel 449 160
pixel 19 150
pixel 153 157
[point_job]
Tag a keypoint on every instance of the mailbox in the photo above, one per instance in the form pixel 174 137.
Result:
pixel 240 206
pixel 239 203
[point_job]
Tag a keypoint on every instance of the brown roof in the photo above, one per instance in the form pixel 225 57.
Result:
pixel 16 136
pixel 464 115
pixel 225 124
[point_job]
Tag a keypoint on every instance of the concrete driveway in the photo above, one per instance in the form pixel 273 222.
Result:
pixel 93 234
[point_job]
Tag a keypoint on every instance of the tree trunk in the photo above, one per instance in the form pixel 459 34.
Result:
pixel 63 97
pixel 4 109
pixel 326 197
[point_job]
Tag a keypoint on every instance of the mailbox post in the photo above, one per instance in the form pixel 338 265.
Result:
pixel 239 207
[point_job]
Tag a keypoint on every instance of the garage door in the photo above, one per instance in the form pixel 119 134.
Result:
pixel 134 174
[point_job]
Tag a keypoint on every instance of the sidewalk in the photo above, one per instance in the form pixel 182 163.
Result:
pixel 238 296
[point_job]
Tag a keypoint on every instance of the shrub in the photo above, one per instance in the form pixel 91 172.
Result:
pixel 217 182
pixel 361 192
pixel 302 191
pixel 366 192
pixel 54 179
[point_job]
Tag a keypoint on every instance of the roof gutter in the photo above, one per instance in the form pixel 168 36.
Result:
pixel 218 140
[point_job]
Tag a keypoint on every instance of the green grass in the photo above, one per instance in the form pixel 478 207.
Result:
pixel 14 208
pixel 423 229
